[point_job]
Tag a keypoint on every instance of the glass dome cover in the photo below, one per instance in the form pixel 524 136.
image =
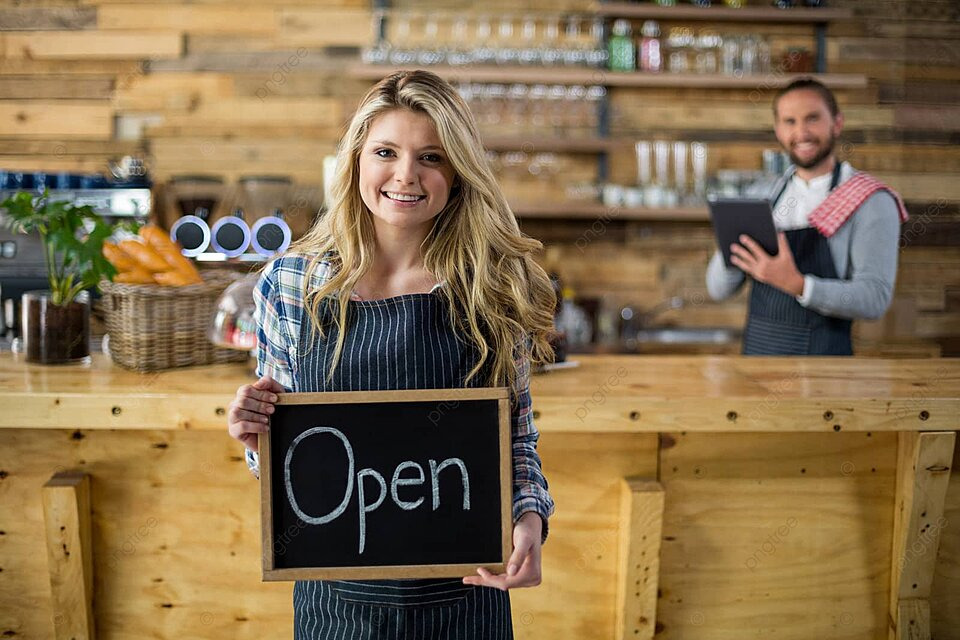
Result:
pixel 233 325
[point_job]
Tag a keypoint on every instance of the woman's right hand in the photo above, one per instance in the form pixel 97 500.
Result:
pixel 249 411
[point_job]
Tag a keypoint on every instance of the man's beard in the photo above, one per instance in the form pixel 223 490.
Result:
pixel 825 151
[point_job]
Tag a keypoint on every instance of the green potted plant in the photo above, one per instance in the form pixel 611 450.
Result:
pixel 56 322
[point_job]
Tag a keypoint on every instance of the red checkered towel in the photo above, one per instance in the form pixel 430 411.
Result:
pixel 846 199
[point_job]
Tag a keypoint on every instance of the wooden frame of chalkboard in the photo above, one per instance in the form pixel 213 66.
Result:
pixel 448 405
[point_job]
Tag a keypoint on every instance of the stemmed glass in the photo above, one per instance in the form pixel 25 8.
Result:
pixel 551 53
pixel 430 52
pixel 529 53
pixel 483 52
pixel 401 54
pixel 378 52
pixel 457 53
pixel 506 53
pixel 573 54
pixel 597 56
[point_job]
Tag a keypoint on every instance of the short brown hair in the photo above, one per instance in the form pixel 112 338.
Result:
pixel 813 85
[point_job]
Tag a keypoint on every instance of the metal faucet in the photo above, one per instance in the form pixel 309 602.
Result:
pixel 633 321
pixel 668 304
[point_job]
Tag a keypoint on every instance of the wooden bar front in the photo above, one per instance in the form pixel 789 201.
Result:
pixel 798 497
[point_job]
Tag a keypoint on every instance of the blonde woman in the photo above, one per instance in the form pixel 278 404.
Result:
pixel 416 277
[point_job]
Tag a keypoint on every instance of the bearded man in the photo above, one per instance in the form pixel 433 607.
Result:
pixel 838 233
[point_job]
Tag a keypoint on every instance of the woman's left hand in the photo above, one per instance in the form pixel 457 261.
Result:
pixel 523 568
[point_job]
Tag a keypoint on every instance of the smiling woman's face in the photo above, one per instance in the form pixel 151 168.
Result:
pixel 405 175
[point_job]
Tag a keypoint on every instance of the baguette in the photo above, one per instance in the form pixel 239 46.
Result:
pixel 118 257
pixel 134 276
pixel 170 251
pixel 172 278
pixel 145 255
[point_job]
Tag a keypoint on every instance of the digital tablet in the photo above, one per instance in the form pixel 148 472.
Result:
pixel 733 217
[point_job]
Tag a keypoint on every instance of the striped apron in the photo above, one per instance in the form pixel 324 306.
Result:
pixel 779 325
pixel 405 342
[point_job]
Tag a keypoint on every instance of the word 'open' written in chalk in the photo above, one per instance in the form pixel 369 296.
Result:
pixel 396 482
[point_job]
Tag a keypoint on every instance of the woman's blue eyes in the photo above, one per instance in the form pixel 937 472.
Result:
pixel 428 157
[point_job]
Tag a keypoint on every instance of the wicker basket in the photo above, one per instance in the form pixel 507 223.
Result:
pixel 153 327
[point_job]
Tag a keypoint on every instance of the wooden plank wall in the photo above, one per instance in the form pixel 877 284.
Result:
pixel 257 88
pixel 177 548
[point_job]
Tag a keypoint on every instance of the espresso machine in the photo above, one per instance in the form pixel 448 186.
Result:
pixel 123 195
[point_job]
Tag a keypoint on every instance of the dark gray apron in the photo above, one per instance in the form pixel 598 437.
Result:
pixel 779 325
pixel 405 342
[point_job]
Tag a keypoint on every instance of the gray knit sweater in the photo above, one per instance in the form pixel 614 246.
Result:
pixel 864 253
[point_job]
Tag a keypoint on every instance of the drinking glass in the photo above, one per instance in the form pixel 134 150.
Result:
pixel 680 168
pixel 698 159
pixel 730 53
pixel 644 174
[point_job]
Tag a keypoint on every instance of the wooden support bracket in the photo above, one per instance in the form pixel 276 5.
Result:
pixel 66 511
pixel 923 473
pixel 641 526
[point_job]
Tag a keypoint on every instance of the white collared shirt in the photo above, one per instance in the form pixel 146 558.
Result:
pixel 799 200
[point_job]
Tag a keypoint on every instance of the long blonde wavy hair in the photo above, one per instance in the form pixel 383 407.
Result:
pixel 497 296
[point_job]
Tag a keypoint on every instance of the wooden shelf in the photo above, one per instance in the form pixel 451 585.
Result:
pixel 556 144
pixel 801 15
pixel 577 75
pixel 597 211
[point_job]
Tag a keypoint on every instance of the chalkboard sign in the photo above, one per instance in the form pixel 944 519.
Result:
pixel 386 484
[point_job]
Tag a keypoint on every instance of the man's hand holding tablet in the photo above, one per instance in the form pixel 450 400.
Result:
pixel 749 241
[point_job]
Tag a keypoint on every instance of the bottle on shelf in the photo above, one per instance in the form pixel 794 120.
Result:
pixel 622 53
pixel 650 58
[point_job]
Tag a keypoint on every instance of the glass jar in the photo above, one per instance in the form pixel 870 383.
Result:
pixel 55 334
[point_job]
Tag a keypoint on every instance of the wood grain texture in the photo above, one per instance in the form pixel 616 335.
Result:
pixel 187 18
pixel 923 475
pixel 577 598
pixel 66 510
pixel 641 530
pixel 325 27
pixel 913 620
pixel 604 394
pixel 56 87
pixel 99 45
pixel 176 535
pixel 776 533
pixel 89 119
pixel 945 616
pixel 171 92
pixel 52 18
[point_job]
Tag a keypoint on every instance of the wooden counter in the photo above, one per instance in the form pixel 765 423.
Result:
pixel 603 394
pixel 701 497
